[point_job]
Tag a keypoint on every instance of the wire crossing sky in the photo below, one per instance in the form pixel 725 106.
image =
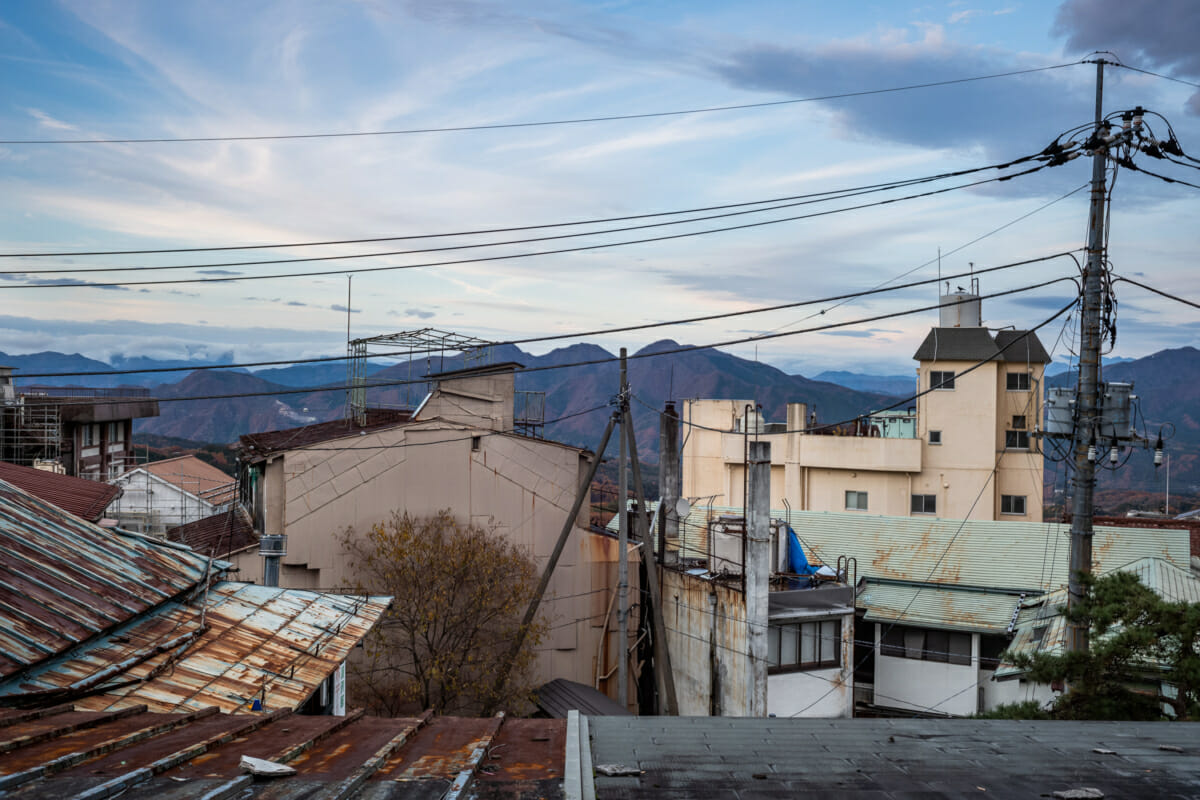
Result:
pixel 524 119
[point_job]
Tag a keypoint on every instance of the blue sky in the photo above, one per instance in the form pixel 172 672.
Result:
pixel 151 69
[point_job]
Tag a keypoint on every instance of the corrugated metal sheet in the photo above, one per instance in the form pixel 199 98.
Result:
pixel 934 607
pixel 263 642
pixel 63 580
pixel 81 497
pixel 1026 556
pixel 194 476
pixel 157 756
pixel 1170 582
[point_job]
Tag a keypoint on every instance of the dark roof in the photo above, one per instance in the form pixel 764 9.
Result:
pixel 1022 347
pixel 560 695
pixel 503 757
pixel 977 344
pixel 263 444
pixel 888 759
pixel 485 369
pixel 219 535
pixel 79 496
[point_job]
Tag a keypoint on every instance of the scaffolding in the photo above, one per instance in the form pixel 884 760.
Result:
pixel 30 433
pixel 429 342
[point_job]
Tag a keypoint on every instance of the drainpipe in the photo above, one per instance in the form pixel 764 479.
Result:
pixel 272 548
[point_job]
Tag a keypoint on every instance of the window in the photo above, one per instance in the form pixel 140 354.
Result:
pixel 947 647
pixel 990 650
pixel 1016 440
pixel 89 435
pixel 924 504
pixel 856 501
pixel 116 432
pixel 1018 422
pixel 1018 382
pixel 941 380
pixel 475 440
pixel 795 646
pixel 1012 504
pixel 935 437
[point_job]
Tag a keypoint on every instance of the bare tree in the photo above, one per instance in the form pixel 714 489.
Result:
pixel 459 591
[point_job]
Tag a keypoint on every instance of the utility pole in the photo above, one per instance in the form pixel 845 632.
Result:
pixel 623 542
pixel 757 569
pixel 1087 418
pixel 668 481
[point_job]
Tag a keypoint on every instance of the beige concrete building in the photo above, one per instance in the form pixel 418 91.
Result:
pixel 965 449
pixel 456 451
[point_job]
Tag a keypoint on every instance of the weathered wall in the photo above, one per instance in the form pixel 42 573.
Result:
pixel 706 634
pixel 928 685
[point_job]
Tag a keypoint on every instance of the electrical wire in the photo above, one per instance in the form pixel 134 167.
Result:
pixel 560 336
pixel 511 256
pixel 1159 292
pixel 540 123
pixel 589 362
pixel 828 194
pixel 1156 75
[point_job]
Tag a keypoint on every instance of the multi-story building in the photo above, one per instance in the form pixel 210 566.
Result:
pixel 965 447
pixel 83 432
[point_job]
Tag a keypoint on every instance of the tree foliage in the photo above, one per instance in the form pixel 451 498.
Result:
pixel 460 592
pixel 1137 640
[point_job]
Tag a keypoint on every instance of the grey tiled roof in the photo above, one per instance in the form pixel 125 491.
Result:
pixel 702 757
pixel 977 344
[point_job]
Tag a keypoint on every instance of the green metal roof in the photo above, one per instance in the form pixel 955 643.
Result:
pixel 936 607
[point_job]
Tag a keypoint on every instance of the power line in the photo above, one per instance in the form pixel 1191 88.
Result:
pixel 511 256
pixel 1156 75
pixel 1160 292
pixel 560 336
pixel 590 362
pixel 540 123
pixel 514 229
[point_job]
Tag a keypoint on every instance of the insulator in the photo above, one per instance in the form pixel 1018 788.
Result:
pixel 1092 453
pixel 1114 453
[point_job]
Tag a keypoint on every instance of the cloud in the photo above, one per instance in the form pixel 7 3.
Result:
pixel 219 272
pixel 343 309
pixel 47 121
pixel 296 303
pixel 412 312
pixel 992 114
pixel 77 282
pixel 1160 34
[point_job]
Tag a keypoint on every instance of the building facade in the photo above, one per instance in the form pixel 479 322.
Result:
pixel 456 451
pixel 965 447
pixel 168 493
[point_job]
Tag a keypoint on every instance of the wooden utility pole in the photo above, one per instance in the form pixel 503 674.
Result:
pixel 1087 410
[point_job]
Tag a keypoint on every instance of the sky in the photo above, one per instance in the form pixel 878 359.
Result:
pixel 138 70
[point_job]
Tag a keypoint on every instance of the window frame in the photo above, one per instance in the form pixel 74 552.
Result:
pixel 1016 440
pixel 827 644
pixel 1008 382
pixel 900 641
pixel 859 495
pixel 1012 500
pixel 926 501
pixel 935 438
pixel 938 376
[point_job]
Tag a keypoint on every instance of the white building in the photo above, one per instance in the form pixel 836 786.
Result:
pixel 175 491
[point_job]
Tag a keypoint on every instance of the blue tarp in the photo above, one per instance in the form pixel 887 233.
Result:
pixel 797 562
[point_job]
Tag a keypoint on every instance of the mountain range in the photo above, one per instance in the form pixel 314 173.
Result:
pixel 579 381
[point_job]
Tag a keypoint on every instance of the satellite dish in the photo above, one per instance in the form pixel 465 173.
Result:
pixel 683 507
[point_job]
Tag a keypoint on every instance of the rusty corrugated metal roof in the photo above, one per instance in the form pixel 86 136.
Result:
pixel 79 496
pixel 195 477
pixel 148 755
pixel 64 581
pixel 239 643
pixel 219 535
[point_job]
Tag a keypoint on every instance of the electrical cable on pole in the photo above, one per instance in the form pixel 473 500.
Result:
pixel 623 540
pixel 1086 420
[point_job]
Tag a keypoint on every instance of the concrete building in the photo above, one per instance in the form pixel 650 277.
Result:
pixel 168 493
pixel 937 601
pixel 456 451
pixel 966 447
pixel 87 433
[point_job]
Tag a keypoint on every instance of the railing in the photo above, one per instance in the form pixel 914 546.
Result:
pixel 80 391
